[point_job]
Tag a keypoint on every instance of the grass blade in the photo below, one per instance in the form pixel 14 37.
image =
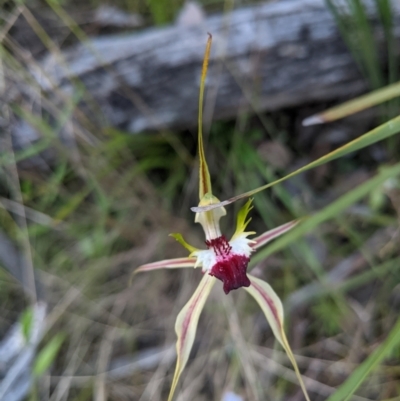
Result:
pixel 329 212
pixel 47 355
pixel 354 106
pixel 348 388
pixel 378 134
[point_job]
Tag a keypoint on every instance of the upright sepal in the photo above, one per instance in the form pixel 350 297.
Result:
pixel 186 327
pixel 204 175
pixel 272 307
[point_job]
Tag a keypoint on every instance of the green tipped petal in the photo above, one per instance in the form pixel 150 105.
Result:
pixel 180 239
pixel 241 222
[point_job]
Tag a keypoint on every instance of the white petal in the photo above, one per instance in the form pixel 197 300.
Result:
pixel 241 245
pixel 205 258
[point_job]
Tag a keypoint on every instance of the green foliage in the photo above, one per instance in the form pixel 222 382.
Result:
pixel 47 355
pixel 384 131
pixel 26 323
pixel 331 211
pixel 385 11
pixel 357 32
pixel 372 362
pixel 162 11
pixel 328 315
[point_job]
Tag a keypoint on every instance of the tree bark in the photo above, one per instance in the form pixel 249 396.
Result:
pixel 264 57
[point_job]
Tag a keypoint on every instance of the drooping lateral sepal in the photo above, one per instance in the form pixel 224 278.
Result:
pixel 186 327
pixel 272 307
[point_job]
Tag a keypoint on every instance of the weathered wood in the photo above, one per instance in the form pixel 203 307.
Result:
pixel 264 57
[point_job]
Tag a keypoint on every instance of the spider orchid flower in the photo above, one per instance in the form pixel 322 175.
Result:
pixel 222 260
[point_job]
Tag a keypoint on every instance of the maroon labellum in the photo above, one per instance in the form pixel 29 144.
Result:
pixel 231 268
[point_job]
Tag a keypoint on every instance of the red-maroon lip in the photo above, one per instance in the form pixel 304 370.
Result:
pixel 230 268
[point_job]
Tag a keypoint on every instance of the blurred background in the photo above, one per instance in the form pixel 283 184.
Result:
pixel 98 126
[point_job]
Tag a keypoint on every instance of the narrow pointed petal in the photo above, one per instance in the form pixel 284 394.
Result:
pixel 204 175
pixel 181 240
pixel 241 222
pixel 268 236
pixel 186 327
pixel 167 264
pixel 384 131
pixel 272 307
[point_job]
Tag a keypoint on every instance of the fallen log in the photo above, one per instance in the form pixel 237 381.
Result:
pixel 264 57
